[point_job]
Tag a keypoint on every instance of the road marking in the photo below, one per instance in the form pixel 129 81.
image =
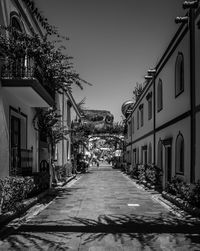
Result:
pixel 133 205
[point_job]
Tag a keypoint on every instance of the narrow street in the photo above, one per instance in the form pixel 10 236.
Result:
pixel 103 210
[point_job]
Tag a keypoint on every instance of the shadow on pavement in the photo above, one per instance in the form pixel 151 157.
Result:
pixel 147 230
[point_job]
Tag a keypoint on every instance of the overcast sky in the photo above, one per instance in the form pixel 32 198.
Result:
pixel 113 42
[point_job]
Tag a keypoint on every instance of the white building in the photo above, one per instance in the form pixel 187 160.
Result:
pixel 22 148
pixel 163 124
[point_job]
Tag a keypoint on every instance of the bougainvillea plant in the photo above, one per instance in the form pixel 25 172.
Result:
pixel 57 69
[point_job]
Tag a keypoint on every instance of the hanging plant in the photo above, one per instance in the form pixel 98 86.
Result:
pixel 57 68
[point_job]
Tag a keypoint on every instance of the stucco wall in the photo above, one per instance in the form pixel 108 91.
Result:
pixel 197 62
pixel 174 106
pixel 172 131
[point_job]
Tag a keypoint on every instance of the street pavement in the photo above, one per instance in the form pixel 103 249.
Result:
pixel 103 210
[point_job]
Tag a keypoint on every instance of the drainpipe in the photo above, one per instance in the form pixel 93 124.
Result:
pixel 192 92
pixel 191 5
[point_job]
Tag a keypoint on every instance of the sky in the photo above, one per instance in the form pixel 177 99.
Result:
pixel 113 43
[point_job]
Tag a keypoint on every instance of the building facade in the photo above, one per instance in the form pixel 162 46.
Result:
pixel 23 149
pixel 163 124
pixel 20 94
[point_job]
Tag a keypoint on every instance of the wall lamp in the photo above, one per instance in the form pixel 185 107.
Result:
pixel 147 77
pixel 190 4
pixel 179 20
pixel 151 71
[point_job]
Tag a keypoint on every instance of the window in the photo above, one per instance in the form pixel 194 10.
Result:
pixel 129 128
pixel 134 157
pixel 179 153
pixel 150 154
pixel 179 74
pixel 138 117
pixel 149 99
pixel 141 107
pixel 132 125
pixel 144 154
pixel 159 154
pixel 16 24
pixel 159 96
pixel 137 155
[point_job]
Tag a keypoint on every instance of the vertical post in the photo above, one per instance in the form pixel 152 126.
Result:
pixel 192 91
pixel 154 120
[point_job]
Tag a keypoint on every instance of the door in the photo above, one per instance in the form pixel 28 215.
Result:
pixel 168 164
pixel 15 145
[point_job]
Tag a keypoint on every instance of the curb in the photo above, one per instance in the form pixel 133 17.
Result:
pixel 27 204
pixel 194 211
pixel 170 200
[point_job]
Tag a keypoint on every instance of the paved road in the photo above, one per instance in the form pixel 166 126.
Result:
pixel 103 211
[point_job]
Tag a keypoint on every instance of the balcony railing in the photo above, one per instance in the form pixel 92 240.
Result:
pixel 24 69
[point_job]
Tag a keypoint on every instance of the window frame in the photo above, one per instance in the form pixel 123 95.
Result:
pixel 159 95
pixel 150 153
pixel 179 65
pixel 181 159
pixel 150 105
pixel 138 119
pixel 141 108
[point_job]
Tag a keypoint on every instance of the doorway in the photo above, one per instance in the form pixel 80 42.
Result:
pixel 168 164
pixel 15 145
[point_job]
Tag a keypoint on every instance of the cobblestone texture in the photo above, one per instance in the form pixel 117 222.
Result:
pixel 93 215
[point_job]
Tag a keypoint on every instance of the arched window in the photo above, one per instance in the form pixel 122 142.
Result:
pixel 15 23
pixel 159 154
pixel 180 154
pixel 179 74
pixel 150 153
pixel 159 96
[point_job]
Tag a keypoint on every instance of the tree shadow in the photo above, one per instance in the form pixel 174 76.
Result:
pixel 146 230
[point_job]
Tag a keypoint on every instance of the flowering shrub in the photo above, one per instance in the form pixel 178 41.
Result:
pixel 178 187
pixel 13 190
pixel 141 173
pixel 153 175
pixel 187 192
pixel 194 198
pixel 135 172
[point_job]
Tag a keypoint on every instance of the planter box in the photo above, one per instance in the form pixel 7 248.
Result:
pixel 182 204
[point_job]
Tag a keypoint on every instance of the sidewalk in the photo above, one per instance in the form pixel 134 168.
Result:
pixel 28 203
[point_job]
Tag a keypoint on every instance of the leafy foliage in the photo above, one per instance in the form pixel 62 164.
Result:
pixel 57 68
pixel 137 91
pixel 13 190
pixel 185 191
pixel 49 124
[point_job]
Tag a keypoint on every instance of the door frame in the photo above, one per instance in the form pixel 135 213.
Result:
pixel 13 112
pixel 168 145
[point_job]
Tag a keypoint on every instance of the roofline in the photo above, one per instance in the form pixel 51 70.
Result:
pixel 163 60
pixel 26 19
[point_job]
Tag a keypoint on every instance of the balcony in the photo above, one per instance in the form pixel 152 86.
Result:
pixel 24 80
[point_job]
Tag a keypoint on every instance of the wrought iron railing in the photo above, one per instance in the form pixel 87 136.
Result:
pixel 21 161
pixel 24 68
pixel 26 161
